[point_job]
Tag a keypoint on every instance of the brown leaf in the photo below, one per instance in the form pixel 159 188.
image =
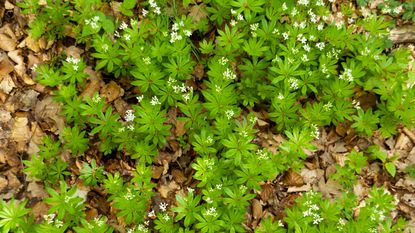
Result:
pixel 3 183
pixel 32 44
pixel 292 178
pixel 21 131
pixel 5 66
pixel 7 84
pixel 47 114
pixel 36 190
pixel 197 12
pixel 7 43
pixel 256 209
pixel 16 56
pixel 156 172
pixel 266 192
pixel 179 128
pixel 112 91
pixel 296 189
pixel 165 189
pixel 40 209
pixel 178 176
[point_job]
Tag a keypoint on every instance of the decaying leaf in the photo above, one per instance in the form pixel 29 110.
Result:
pixel 21 131
pixel 165 189
pixel 5 66
pixel 112 91
pixel 7 43
pixel 292 178
pixel 256 209
pixel 7 84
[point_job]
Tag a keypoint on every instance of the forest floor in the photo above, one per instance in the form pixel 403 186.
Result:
pixel 27 113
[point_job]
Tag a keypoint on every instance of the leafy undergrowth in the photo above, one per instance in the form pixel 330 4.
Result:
pixel 167 107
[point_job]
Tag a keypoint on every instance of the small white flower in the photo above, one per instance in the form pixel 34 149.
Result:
pixel 240 17
pixel 284 6
pixel 144 12
pixel 306 47
pixel 140 98
pixel 105 47
pixel 233 23
pixel 223 61
pixel 129 196
pixel 129 115
pixel 280 96
pixel 233 12
pixel 33 68
pixel 320 45
pixel 49 218
pixel 166 217
pixel 58 223
pixel 147 60
pixel 229 114
pixel 190 190
pixel 211 211
pixel 293 83
pixel 229 74
pixel 163 206
pixel 303 24
pixel 303 2
pixel 154 101
pixel 294 12
pixel 319 3
pixel 320 26
pixel 254 26
pixel 151 214
pixel 123 26
pixel 285 35
pixel 188 33
pixel 304 58
pixel 397 10
pixel 127 37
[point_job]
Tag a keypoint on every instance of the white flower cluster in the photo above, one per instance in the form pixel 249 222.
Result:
pixel 153 5
pixel 229 74
pixel 356 104
pixel 293 83
pixel 210 163
pixel 312 211
pixel 154 101
pixel 328 106
pixel 347 75
pixel 320 45
pixel 123 26
pixel 341 223
pixel 254 27
pixel 163 206
pixel 303 2
pixel 129 115
pixel 377 215
pixel 50 219
pixel 93 22
pixel 229 114
pixel 129 195
pixel 183 89
pixel 147 60
pixel 262 154
pixel 175 32
pixel 139 98
pixel 74 61
pixel 315 133
pixel 211 212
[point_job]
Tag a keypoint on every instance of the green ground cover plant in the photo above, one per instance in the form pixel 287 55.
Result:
pixel 293 60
